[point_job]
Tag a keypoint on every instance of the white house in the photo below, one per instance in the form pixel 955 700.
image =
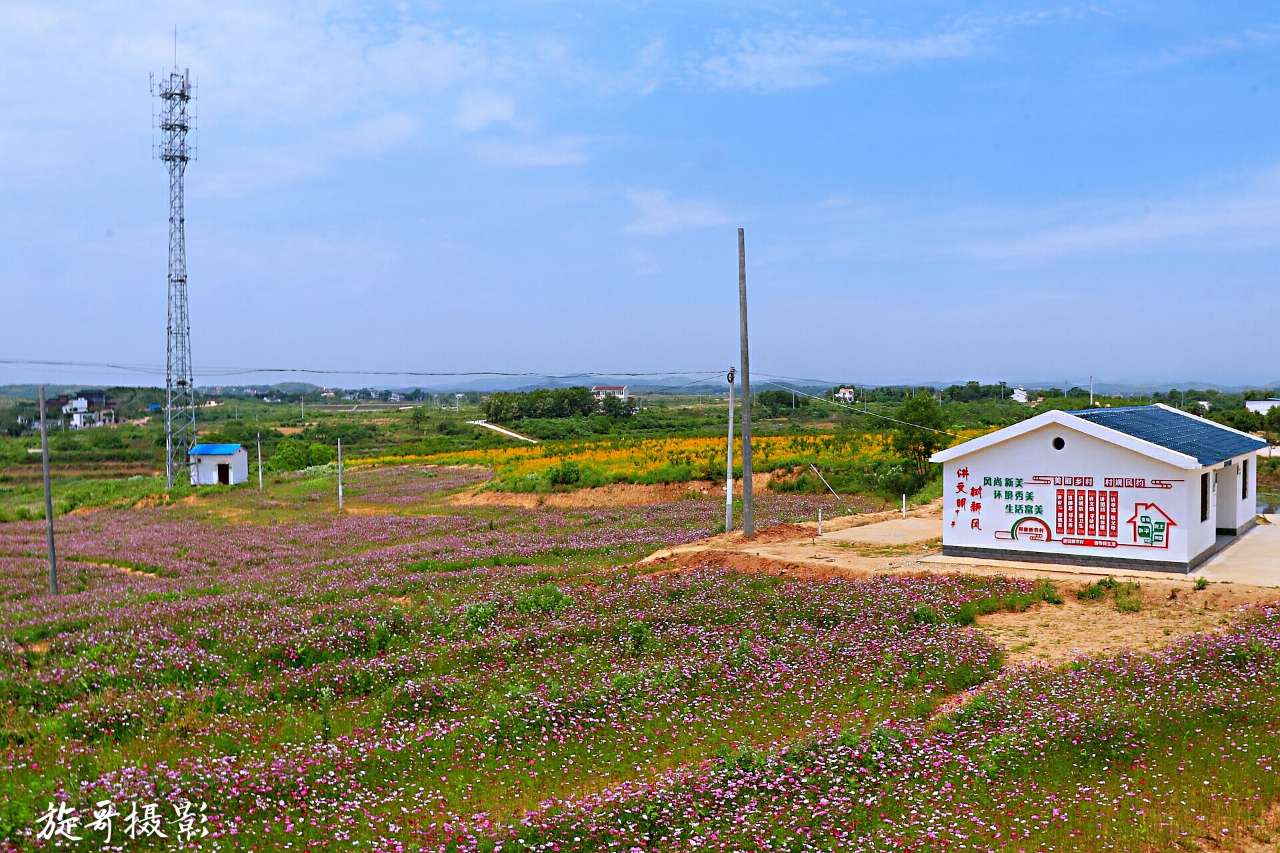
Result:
pixel 846 394
pixel 1261 406
pixel 214 464
pixel 1147 487
pixel 1019 395
pixel 602 391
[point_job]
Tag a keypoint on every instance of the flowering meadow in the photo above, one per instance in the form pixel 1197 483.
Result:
pixel 435 678
pixel 626 459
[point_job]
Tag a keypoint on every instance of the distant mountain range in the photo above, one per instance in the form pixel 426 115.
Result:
pixel 672 384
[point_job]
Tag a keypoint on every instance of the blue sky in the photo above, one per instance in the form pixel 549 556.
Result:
pixel 997 190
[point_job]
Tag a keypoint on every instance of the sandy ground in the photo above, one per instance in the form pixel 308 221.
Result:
pixel 879 543
pixel 1262 838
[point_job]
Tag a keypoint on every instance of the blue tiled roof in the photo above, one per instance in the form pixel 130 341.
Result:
pixel 214 450
pixel 1204 440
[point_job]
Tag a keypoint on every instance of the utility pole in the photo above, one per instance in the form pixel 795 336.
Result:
pixel 302 401
pixel 728 467
pixel 259 461
pixel 48 498
pixel 339 475
pixel 748 521
pixel 1091 390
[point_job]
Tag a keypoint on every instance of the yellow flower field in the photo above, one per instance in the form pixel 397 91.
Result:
pixel 651 460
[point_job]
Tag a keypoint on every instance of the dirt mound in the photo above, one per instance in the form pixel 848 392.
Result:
pixel 742 562
pixel 782 533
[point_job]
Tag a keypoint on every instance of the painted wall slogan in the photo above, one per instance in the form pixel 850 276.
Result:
pixel 1068 509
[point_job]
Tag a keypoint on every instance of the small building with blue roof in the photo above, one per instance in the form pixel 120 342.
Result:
pixel 218 464
pixel 1147 487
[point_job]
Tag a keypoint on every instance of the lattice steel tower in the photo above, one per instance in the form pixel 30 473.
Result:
pixel 176 119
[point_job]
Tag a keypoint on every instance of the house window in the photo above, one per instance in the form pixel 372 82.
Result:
pixel 1244 480
pixel 1204 496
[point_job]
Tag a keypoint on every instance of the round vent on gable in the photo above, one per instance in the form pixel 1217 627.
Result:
pixel 1059 442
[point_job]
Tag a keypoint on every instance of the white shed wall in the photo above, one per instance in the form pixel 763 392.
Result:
pixel 1091 498
pixel 1237 507
pixel 204 469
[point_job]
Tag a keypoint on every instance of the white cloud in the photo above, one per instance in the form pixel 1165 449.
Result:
pixel 261 168
pixel 787 60
pixel 658 214
pixel 1208 48
pixel 374 135
pixel 548 151
pixel 477 110
pixel 1243 214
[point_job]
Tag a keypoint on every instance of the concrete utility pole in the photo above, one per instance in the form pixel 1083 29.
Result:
pixel 48 498
pixel 259 461
pixel 728 467
pixel 1090 390
pixel 748 521
pixel 339 475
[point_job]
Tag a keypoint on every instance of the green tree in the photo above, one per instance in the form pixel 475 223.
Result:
pixel 920 432
pixel 615 407
pixel 294 454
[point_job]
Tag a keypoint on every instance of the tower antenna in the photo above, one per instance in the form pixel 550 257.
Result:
pixel 176 120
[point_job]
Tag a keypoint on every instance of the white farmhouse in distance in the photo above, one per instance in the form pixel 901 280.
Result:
pixel 847 394
pixel 218 464
pixel 1143 487
pixel 602 391
pixel 1019 395
pixel 1261 406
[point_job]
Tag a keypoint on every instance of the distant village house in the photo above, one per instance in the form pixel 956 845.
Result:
pixel 600 392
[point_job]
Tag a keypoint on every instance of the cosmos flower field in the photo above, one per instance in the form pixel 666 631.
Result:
pixel 416 676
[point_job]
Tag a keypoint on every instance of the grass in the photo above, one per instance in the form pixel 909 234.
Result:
pixel 1126 595
pixel 492 661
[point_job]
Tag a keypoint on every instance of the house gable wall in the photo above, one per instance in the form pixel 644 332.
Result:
pixel 1091 499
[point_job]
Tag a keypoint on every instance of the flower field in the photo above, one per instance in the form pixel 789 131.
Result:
pixel 651 460
pixel 497 679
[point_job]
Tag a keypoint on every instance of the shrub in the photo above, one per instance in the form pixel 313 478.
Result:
pixel 1202 583
pixel 480 614
pixel 637 638
pixel 744 759
pixel 925 615
pixel 1097 590
pixel 547 598
pixel 294 454
pixel 1128 597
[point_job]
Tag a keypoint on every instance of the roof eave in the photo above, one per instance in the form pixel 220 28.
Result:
pixel 1077 424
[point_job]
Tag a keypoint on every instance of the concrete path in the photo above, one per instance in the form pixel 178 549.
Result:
pixel 897 531
pixel 1254 559
pixel 504 431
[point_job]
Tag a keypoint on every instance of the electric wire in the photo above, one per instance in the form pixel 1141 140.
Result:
pixel 864 412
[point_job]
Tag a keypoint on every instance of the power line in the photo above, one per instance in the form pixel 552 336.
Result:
pixel 864 412
pixel 148 369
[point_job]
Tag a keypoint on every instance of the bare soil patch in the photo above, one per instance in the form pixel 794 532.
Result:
pixel 1263 837
pixel 743 562
pixel 1050 633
